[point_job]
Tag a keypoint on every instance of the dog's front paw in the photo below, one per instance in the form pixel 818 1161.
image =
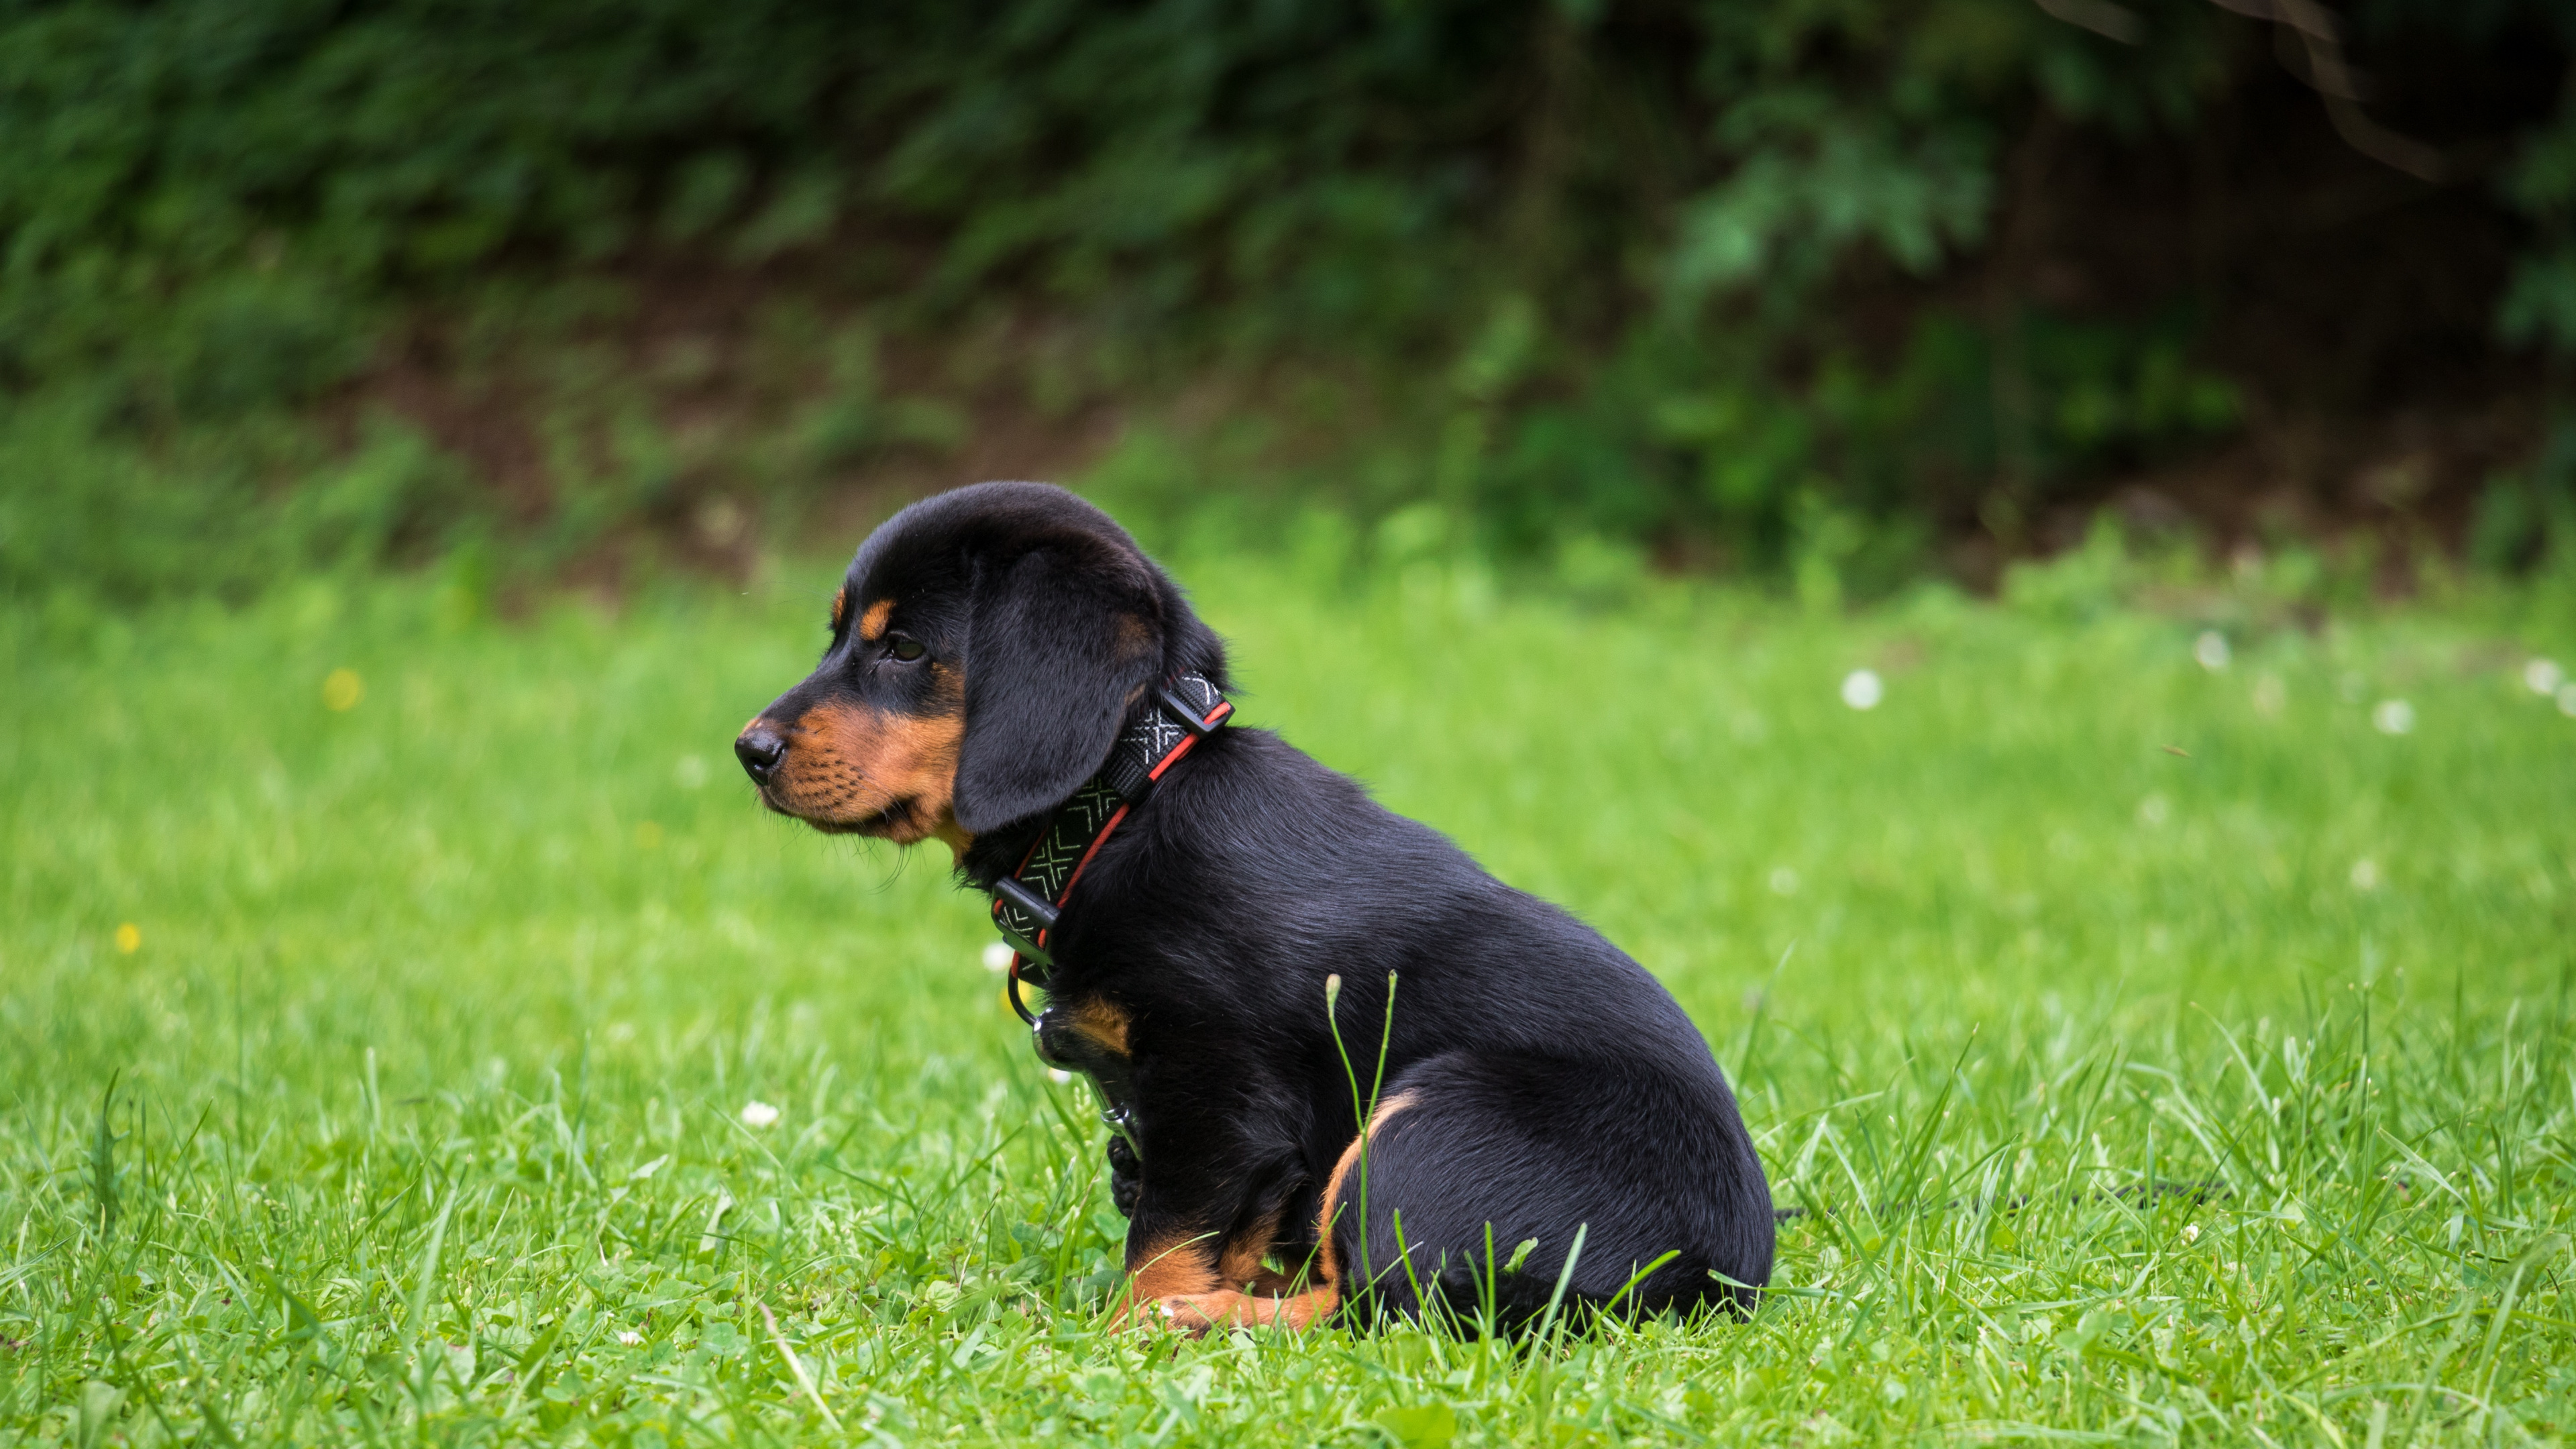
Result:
pixel 1199 1313
pixel 1189 1313
pixel 1192 1313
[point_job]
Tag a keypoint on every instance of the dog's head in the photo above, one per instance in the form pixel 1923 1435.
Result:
pixel 986 645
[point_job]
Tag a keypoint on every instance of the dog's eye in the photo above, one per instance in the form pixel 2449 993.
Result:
pixel 904 649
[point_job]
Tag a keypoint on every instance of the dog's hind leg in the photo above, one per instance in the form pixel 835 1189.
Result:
pixel 1477 1178
pixel 1473 1157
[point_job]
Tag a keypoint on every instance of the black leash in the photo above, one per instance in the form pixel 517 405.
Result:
pixel 1161 729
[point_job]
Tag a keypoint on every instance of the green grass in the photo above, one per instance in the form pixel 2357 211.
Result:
pixel 417 1111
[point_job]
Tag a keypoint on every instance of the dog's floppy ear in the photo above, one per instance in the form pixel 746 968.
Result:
pixel 1057 646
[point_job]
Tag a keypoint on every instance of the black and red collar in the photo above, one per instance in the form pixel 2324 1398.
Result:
pixel 1161 729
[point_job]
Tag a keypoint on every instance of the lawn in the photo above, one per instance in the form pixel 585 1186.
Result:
pixel 390 997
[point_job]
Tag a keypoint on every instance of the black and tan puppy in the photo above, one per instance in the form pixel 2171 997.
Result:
pixel 990 647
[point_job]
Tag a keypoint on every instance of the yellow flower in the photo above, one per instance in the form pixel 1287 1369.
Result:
pixel 342 689
pixel 129 938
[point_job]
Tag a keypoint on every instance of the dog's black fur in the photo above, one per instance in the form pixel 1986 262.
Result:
pixel 1536 1079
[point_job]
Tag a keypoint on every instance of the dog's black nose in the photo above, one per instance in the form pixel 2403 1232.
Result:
pixel 760 747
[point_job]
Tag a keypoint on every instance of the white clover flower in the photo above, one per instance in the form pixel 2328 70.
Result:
pixel 1059 1075
pixel 2365 874
pixel 629 1337
pixel 756 1113
pixel 2270 695
pixel 997 958
pixel 2393 717
pixel 2191 1232
pixel 2211 650
pixel 1862 689
pixel 2543 676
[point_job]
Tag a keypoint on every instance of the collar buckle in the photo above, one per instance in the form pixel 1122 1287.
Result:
pixel 1191 717
pixel 1035 916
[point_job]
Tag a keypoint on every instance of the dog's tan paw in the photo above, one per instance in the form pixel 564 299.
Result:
pixel 1198 1313
pixel 1194 1313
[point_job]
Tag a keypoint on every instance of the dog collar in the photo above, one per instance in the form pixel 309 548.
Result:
pixel 1161 729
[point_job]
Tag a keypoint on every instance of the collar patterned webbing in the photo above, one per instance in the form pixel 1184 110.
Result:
pixel 1161 730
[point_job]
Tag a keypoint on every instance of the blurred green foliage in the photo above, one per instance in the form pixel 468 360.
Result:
pixel 1604 268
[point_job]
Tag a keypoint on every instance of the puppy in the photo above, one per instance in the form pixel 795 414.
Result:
pixel 1009 674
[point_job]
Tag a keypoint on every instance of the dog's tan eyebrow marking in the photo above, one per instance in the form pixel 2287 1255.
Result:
pixel 840 608
pixel 1133 635
pixel 872 624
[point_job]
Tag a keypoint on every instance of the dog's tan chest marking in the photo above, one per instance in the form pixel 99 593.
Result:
pixel 1101 1022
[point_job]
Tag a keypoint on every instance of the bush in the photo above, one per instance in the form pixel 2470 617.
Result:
pixel 1656 270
